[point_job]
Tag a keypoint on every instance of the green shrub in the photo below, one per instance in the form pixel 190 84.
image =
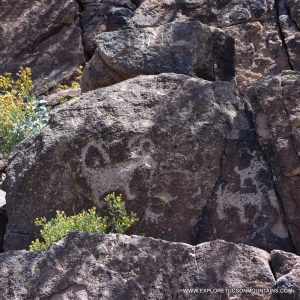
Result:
pixel 118 221
pixel 21 113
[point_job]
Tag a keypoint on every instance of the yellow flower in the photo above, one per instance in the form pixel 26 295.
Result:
pixel 17 107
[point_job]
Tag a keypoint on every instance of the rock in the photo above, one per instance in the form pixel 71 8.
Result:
pixel 275 101
pixel 294 9
pixel 244 202
pixel 119 18
pixel 107 15
pixel 221 13
pixel 2 198
pixel 286 267
pixel 121 267
pixel 184 47
pixel 3 222
pixel 290 30
pixel 62 96
pixel 260 48
pixel 44 35
pixel 180 149
pixel 191 3
pixel 3 165
pixel 264 45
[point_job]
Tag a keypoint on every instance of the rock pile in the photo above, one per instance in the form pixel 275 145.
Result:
pixel 195 121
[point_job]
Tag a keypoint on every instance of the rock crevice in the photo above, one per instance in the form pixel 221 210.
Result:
pixel 280 5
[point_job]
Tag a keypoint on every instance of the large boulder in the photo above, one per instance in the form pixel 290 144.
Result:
pixel 189 48
pixel 121 267
pixel 275 101
pixel 44 35
pixel 181 150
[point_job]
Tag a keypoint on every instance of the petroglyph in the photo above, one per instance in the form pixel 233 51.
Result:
pixel 116 176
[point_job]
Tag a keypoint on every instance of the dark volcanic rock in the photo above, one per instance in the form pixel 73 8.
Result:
pixel 286 267
pixel 171 144
pixel 275 101
pixel 53 37
pixel 189 48
pixel 100 16
pixel 3 223
pixel 44 35
pixel 294 9
pixel 291 31
pixel 121 267
pixel 244 202
pixel 260 48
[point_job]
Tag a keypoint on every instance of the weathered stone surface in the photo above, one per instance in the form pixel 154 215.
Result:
pixel 44 35
pixel 286 267
pixel 244 202
pixel 100 16
pixel 275 100
pixel 60 97
pixel 189 48
pixel 122 267
pixel 294 8
pixel 57 32
pixel 288 18
pixel 253 24
pixel 222 13
pixel 171 144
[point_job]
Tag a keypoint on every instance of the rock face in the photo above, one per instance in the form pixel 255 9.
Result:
pixel 122 267
pixel 181 150
pixel 275 100
pixel 44 35
pixel 254 25
pixel 266 32
pixel 189 48
pixel 259 41
pixel 289 20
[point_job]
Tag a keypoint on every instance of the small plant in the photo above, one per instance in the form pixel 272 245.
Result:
pixel 74 84
pixel 118 221
pixel 21 113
